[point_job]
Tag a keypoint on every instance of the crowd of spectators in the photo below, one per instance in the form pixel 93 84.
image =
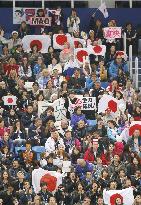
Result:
pixel 103 156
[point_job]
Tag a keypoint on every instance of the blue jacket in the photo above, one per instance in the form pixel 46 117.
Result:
pixel 36 69
pixel 113 69
pixel 76 118
pixel 81 171
pixel 89 83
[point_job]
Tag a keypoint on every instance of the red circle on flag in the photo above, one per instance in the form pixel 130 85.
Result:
pixel 61 39
pixel 114 197
pixel 133 128
pixel 51 182
pixel 112 105
pixel 97 49
pixel 81 54
pixel 36 43
pixel 76 44
pixel 9 100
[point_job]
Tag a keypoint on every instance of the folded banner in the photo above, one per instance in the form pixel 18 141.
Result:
pixel 112 32
pixel 41 41
pixel 52 179
pixel 124 196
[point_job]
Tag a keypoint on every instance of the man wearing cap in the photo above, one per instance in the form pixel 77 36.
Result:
pixel 13 41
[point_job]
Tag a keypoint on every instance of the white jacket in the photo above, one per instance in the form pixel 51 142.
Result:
pixel 50 144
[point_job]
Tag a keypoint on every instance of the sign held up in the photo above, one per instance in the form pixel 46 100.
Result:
pixel 112 32
pixel 42 21
pixel 88 103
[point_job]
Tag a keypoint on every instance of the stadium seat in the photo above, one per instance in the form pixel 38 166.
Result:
pixel 38 150
pixel 1 49
pixel 104 85
pixel 17 149
pixel 7 35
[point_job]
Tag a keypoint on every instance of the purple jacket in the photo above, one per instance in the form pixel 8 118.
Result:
pixel 76 118
pixel 81 171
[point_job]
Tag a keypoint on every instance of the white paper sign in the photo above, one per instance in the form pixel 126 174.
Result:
pixel 112 32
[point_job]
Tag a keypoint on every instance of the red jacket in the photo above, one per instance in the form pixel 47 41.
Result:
pixel 89 156
pixel 8 68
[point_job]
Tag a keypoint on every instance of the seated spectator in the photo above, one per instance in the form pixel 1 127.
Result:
pixel 28 117
pixel 135 141
pixel 83 167
pixel 10 66
pixel 45 77
pixel 25 71
pixel 49 90
pixel 38 67
pixel 36 133
pixel 77 116
pixel 54 66
pixel 114 66
pixel 76 82
pixel 7 141
pixel 53 142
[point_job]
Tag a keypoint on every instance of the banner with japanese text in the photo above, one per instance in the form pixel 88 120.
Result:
pixel 112 32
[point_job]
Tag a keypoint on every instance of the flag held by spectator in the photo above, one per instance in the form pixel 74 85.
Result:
pixel 135 125
pixel 107 102
pixel 80 54
pixel 41 41
pixel 60 39
pixel 103 10
pixel 97 50
pixel 10 100
pixel 125 196
pixel 78 41
pixel 52 179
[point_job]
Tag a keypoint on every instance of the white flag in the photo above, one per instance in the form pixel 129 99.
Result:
pixel 41 41
pixel 125 196
pixel 103 10
pixel 52 179
pixel 10 100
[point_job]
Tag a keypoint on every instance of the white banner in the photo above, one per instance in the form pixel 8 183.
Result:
pixel 58 105
pixel 112 32
pixel 88 103
pixel 10 100
pixel 125 195
pixel 41 41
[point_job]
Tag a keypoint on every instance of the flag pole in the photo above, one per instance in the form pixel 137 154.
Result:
pixel 43 4
pixel 72 4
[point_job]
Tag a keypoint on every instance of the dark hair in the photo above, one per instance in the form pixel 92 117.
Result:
pixel 62 83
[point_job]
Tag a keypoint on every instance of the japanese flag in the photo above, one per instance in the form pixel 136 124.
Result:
pixel 10 100
pixel 107 102
pixel 81 54
pixel 103 10
pixel 77 41
pixel 41 41
pixel 60 39
pixel 135 125
pixel 52 179
pixel 97 50
pixel 55 12
pixel 125 196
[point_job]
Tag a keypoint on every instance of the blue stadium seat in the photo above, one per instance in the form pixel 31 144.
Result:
pixel 92 122
pixel 104 84
pixel 1 49
pixel 17 149
pixel 38 150
pixel 7 35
